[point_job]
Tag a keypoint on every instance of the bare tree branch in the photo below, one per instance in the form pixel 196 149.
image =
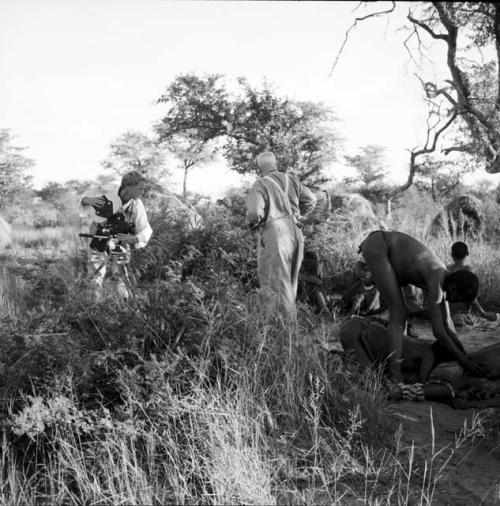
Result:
pixel 460 149
pixel 427 28
pixel 353 26
pixel 415 153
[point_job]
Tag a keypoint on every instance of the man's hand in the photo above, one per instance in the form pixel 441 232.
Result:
pixel 95 202
pixel 475 368
pixel 127 238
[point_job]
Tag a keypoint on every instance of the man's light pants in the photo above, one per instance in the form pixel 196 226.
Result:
pixel 281 246
pixel 98 265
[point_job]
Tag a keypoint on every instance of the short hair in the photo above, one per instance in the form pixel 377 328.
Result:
pixel 461 286
pixel 266 156
pixel 459 250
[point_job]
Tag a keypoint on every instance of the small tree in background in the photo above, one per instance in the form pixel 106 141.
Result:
pixel 371 170
pixel 441 178
pixel 15 166
pixel 190 152
pixel 136 151
pixel 370 165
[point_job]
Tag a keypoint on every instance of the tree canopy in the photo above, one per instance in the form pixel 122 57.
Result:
pixel 134 150
pixel 248 121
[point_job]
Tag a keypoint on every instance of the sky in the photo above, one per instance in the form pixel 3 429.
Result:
pixel 75 74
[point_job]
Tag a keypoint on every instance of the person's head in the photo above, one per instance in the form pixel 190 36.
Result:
pixel 267 162
pixel 459 251
pixel 311 264
pixel 461 286
pixel 363 272
pixel 131 187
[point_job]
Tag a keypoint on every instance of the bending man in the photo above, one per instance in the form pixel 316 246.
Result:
pixel 138 232
pixel 274 207
pixel 397 260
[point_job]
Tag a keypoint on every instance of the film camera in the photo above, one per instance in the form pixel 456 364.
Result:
pixel 104 240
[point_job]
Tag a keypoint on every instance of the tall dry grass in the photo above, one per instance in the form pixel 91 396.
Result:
pixel 249 411
pixel 212 445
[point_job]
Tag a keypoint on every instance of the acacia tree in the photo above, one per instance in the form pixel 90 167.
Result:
pixel 469 98
pixel 134 150
pixel 371 170
pixel 248 122
pixel 369 163
pixel 14 169
pixel 191 152
pixel 442 178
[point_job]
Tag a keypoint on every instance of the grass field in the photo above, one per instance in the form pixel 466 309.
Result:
pixel 189 393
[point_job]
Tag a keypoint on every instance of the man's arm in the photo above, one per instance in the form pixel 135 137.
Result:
pixel 143 230
pixel 256 206
pixel 426 365
pixel 439 311
pixel 450 326
pixel 489 315
pixel 444 331
pixel 307 199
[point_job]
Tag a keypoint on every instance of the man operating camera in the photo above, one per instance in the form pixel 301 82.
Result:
pixel 113 233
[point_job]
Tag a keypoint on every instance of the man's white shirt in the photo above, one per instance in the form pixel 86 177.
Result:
pixel 135 213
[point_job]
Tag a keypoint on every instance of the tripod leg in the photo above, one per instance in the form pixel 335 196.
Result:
pixel 98 268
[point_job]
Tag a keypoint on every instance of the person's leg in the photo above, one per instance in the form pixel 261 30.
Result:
pixel 376 254
pixel 97 267
pixel 275 269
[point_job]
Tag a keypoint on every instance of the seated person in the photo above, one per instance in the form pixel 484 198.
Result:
pixel 397 260
pixel 310 287
pixel 362 298
pixel 459 254
pixel 439 378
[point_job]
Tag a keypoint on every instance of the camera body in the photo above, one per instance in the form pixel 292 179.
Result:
pixel 104 238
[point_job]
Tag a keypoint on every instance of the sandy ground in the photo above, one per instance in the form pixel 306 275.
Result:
pixel 473 475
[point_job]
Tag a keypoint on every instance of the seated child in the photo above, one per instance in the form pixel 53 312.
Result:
pixel 311 287
pixel 459 254
pixel 362 298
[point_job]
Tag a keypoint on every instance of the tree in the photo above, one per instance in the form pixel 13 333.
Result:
pixel 190 151
pixel 195 104
pixel 136 151
pixel 14 169
pixel 55 194
pixel 442 178
pixel 300 133
pixel 248 122
pixel 371 170
pixel 471 93
pixel 369 163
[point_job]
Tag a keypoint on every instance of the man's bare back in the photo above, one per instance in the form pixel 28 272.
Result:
pixel 396 260
pixel 413 262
